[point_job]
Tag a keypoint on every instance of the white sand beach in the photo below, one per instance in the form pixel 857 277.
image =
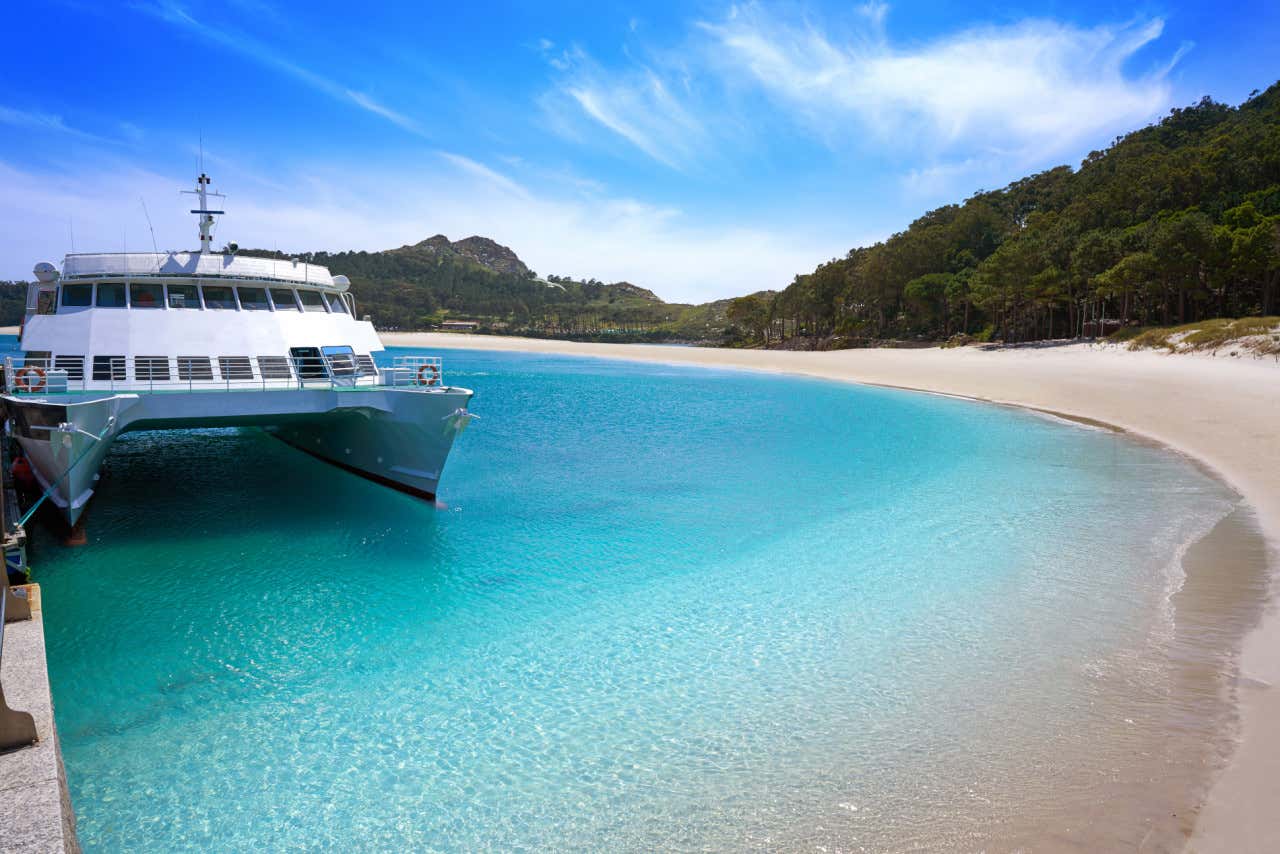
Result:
pixel 1223 411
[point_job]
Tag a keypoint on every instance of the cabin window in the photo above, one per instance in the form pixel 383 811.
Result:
pixel 108 367
pixel 235 368
pixel 342 361
pixel 311 300
pixel 184 296
pixel 151 367
pixel 194 368
pixel 283 298
pixel 77 295
pixel 308 363
pixel 146 296
pixel 336 304
pixel 46 302
pixel 73 365
pixel 219 298
pixel 274 368
pixel 367 367
pixel 253 299
pixel 111 295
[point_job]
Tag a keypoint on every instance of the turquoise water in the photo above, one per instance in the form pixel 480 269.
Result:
pixel 661 608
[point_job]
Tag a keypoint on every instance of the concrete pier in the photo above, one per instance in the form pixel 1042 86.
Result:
pixel 35 807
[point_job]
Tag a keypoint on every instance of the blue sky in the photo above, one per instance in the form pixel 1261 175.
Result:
pixel 701 150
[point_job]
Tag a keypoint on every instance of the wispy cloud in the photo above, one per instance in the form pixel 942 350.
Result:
pixel 1036 85
pixel 1023 92
pixel 484 173
pixel 39 121
pixel 367 103
pixel 270 56
pixel 635 104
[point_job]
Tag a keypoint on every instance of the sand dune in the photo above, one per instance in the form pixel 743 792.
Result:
pixel 1224 411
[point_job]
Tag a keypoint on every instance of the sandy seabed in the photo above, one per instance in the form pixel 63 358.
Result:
pixel 1223 411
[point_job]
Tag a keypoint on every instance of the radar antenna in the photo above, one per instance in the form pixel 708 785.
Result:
pixel 203 212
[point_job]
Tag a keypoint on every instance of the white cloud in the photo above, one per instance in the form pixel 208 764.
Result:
pixel 1033 87
pixel 339 206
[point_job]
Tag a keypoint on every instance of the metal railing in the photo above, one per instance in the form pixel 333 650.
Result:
pixel 35 376
pixel 417 371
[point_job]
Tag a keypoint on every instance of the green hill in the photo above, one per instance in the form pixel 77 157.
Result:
pixel 477 279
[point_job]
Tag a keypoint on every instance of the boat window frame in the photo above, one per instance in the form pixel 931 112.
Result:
pixel 345 363
pixel 124 292
pixel 67 362
pixel 278 368
pixel 237 370
pixel 308 365
pixel 331 299
pixel 188 364
pixel 198 305
pixel 322 304
pixel 152 369
pixel 46 300
pixel 293 296
pixel 263 306
pixel 150 286
pixel 62 303
pixel 204 298
pixel 116 370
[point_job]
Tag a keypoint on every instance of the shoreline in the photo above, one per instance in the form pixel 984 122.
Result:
pixel 1220 412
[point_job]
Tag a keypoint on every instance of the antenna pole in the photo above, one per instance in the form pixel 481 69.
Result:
pixel 206 221
pixel 150 227
pixel 203 212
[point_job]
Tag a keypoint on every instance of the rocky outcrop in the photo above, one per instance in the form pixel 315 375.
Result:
pixel 630 290
pixel 487 253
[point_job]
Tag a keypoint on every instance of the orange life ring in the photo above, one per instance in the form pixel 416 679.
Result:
pixel 22 473
pixel 435 375
pixel 21 381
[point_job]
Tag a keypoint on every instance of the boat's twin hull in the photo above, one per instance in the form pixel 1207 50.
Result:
pixel 398 437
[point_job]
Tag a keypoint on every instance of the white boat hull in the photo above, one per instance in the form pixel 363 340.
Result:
pixel 395 436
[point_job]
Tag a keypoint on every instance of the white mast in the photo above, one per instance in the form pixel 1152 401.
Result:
pixel 203 213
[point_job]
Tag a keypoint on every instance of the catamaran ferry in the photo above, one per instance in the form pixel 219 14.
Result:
pixel 155 341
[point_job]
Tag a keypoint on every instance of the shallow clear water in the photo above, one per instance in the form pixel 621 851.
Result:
pixel 663 607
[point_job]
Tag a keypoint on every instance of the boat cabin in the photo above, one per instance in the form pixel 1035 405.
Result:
pixel 118 320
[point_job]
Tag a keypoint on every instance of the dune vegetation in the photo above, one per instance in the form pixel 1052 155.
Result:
pixel 1259 336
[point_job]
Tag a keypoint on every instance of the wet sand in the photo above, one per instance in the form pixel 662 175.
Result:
pixel 1224 412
